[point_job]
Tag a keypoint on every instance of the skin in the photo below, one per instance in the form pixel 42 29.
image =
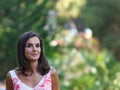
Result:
pixel 32 53
pixel 55 80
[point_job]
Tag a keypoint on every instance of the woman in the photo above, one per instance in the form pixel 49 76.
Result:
pixel 33 72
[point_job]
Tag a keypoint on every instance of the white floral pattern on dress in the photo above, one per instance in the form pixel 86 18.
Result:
pixel 44 84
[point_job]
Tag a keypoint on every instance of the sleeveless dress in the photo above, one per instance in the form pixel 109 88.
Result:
pixel 44 84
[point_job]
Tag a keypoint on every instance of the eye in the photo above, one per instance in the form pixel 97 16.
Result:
pixel 29 45
pixel 37 45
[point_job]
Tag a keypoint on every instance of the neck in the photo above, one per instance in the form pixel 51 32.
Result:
pixel 33 66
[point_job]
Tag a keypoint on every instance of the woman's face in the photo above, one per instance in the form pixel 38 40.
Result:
pixel 32 49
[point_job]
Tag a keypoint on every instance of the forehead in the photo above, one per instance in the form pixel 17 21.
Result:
pixel 33 40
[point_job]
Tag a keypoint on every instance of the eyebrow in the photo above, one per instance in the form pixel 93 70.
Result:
pixel 32 43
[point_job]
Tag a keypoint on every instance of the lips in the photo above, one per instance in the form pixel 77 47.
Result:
pixel 34 54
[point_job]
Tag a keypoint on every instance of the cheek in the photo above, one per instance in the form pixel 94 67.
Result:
pixel 27 52
pixel 40 50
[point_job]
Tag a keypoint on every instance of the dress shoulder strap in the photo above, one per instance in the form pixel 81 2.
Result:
pixel 13 74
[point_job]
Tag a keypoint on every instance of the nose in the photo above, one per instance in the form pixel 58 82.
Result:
pixel 34 47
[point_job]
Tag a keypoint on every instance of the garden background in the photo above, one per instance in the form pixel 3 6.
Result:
pixel 81 39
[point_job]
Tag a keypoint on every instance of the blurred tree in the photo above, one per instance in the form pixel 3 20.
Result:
pixel 80 67
pixel 17 17
pixel 103 17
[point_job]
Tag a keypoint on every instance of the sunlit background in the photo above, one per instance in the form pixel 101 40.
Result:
pixel 81 39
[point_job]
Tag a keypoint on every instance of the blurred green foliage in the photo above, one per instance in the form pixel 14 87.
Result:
pixel 17 17
pixel 103 17
pixel 85 67
pixel 82 64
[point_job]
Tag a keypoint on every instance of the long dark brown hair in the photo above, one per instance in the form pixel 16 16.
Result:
pixel 23 65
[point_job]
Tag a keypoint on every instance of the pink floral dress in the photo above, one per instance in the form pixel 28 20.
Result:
pixel 44 83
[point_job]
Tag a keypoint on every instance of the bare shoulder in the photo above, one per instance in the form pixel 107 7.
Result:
pixel 8 77
pixel 55 79
pixel 9 84
pixel 54 71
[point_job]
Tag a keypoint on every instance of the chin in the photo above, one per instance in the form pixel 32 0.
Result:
pixel 33 59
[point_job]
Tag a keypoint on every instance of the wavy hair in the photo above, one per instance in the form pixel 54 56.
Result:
pixel 43 66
